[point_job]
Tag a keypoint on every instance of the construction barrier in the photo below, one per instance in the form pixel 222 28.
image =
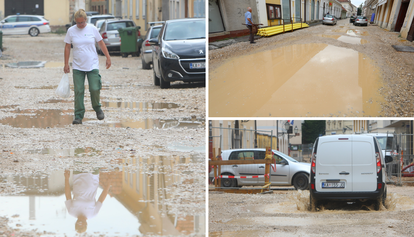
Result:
pixel 269 31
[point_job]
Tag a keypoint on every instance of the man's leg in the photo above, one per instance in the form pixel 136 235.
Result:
pixel 251 33
pixel 79 88
pixel 95 86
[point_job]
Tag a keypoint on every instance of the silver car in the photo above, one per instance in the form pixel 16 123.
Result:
pixel 24 24
pixel 329 19
pixel 110 34
pixel 146 48
pixel 286 172
pixel 361 20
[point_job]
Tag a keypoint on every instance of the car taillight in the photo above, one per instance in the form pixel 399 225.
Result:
pixel 45 23
pixel 104 35
pixel 378 162
pixel 313 164
pixel 147 43
pixel 139 33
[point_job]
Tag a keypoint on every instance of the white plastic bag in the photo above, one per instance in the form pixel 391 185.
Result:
pixel 63 89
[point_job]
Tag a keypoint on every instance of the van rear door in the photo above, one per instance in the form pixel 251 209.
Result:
pixel 334 164
pixel 364 164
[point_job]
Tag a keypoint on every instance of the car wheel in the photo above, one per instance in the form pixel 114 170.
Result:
pixel 301 181
pixel 156 79
pixel 124 55
pixel 377 204
pixel 144 64
pixel 312 204
pixel 33 31
pixel 139 52
pixel 164 84
pixel 228 183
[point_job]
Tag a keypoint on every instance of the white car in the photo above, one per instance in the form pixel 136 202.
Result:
pixel 348 168
pixel 94 18
pixel 286 172
pixel 24 24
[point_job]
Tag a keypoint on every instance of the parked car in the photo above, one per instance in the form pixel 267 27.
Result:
pixel 110 34
pixel 288 171
pixel 24 24
pixel 88 13
pixel 146 48
pixel 329 19
pixel 352 19
pixel 361 20
pixel 179 53
pixel 348 168
pixel 99 23
pixel 92 19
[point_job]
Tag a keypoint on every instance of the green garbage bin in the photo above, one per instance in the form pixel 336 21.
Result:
pixel 129 43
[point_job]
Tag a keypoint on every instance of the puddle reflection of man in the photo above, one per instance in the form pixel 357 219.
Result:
pixel 83 204
pixel 249 24
pixel 85 63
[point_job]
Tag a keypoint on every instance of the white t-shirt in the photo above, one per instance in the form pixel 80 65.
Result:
pixel 83 40
pixel 85 186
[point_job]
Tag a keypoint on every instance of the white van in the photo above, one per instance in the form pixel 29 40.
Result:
pixel 348 168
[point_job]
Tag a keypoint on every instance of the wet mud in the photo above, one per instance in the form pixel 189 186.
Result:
pixel 296 80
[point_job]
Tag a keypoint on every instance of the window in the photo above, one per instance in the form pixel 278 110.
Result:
pixel 11 19
pixel 242 155
pixel 273 11
pixel 24 18
pixel 137 9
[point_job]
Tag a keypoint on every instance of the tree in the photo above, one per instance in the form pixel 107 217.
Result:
pixel 311 129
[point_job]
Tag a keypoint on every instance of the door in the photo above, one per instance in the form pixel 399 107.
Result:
pixel 280 174
pixel 401 15
pixel 364 165
pixel 334 165
pixel 23 24
pixel 8 26
pixel 245 170
pixel 286 11
pixel 24 7
pixel 313 10
pixel 410 36
pixel 215 22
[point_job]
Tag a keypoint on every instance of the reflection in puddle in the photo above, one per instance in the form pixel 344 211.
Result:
pixel 296 80
pixel 39 119
pixel 158 123
pixel 352 32
pixel 352 40
pixel 54 64
pixel 121 203
pixel 67 152
pixel 55 101
pixel 140 106
pixel 39 87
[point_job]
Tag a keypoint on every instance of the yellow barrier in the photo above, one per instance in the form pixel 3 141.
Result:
pixel 269 31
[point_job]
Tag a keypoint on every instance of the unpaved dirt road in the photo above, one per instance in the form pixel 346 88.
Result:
pixel 285 213
pixel 320 71
pixel 148 134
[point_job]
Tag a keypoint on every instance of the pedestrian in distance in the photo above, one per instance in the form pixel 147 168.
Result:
pixel 249 24
pixel 85 63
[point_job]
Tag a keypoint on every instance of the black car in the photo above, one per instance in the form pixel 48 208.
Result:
pixel 179 52
pixel 352 19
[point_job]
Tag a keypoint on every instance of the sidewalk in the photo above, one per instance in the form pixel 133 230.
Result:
pixel 234 40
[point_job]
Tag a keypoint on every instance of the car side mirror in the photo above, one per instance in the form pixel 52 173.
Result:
pixel 388 159
pixel 2 22
pixel 153 42
pixel 284 162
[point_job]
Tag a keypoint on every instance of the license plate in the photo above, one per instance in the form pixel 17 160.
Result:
pixel 333 184
pixel 197 65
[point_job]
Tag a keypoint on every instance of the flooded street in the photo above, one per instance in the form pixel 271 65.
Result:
pixel 320 71
pixel 146 159
pixel 286 213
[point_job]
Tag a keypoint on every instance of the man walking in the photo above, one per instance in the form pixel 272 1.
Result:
pixel 249 24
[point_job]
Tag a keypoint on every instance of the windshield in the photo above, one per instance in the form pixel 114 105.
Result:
pixel 184 30
pixel 286 156
pixel 386 144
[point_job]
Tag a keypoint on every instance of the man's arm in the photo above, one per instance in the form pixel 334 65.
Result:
pixel 104 192
pixel 66 68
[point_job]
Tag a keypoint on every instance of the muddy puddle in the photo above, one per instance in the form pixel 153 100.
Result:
pixel 296 80
pixel 157 123
pixel 118 202
pixel 140 106
pixel 352 32
pixel 346 39
pixel 52 118
pixel 35 64
pixel 88 151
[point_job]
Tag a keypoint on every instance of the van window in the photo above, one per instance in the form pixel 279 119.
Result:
pixel 334 153
pixel 363 153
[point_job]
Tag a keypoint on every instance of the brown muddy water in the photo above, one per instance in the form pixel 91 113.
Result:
pixel 139 202
pixel 346 39
pixel 296 80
